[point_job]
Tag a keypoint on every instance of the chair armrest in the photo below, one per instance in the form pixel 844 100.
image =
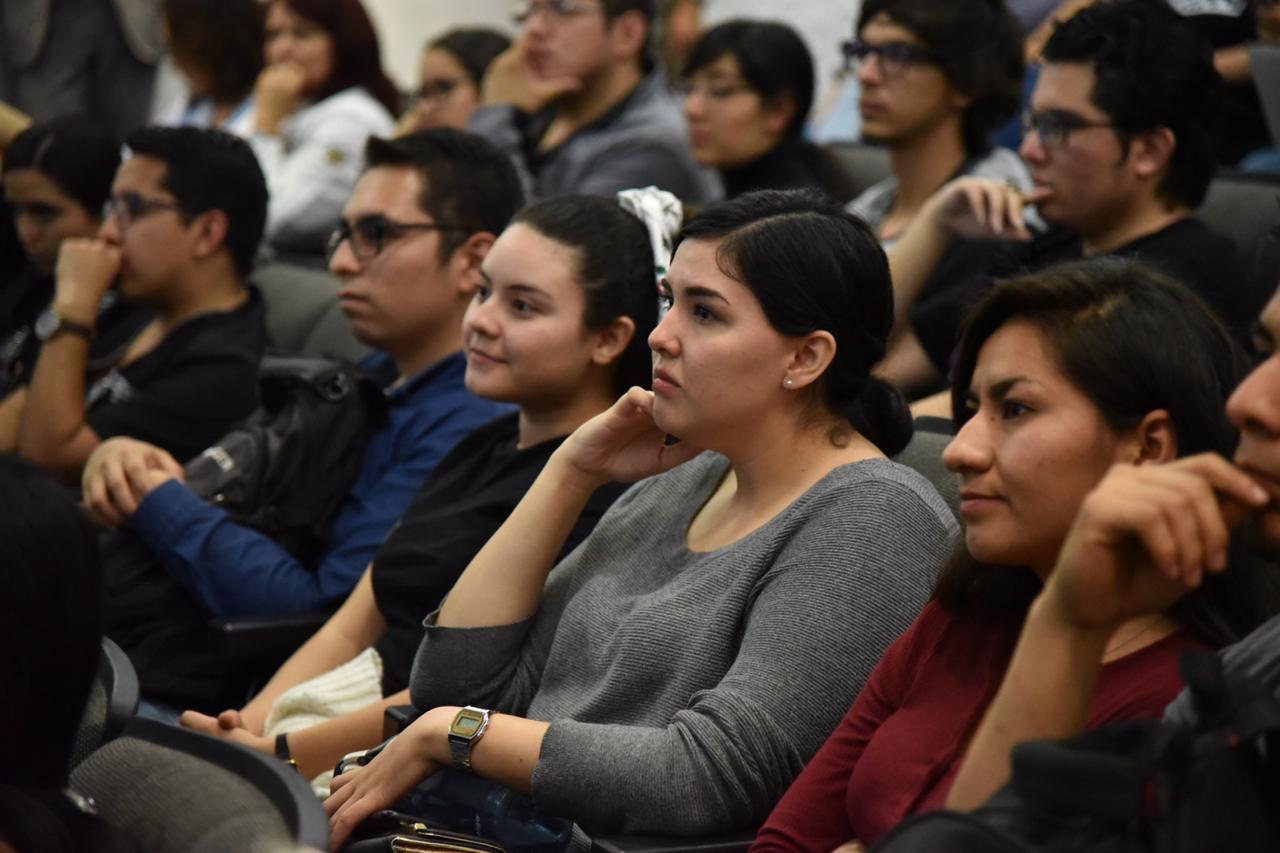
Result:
pixel 397 718
pixel 265 639
pixel 736 843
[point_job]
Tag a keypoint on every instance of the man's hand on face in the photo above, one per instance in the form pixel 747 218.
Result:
pixel 86 269
pixel 510 81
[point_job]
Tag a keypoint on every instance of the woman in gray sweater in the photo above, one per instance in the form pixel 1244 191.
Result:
pixel 676 671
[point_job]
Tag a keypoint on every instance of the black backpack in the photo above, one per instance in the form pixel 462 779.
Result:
pixel 284 472
pixel 1134 787
pixel 287 469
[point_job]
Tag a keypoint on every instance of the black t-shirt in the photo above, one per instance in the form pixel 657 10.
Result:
pixel 1186 250
pixel 198 383
pixel 25 297
pixel 459 507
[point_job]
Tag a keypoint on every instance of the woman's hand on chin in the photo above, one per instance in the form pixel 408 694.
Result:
pixel 365 791
pixel 277 95
pixel 623 444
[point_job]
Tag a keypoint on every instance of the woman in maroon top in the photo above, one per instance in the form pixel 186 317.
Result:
pixel 1059 376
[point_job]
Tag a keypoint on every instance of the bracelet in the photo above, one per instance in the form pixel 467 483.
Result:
pixel 283 752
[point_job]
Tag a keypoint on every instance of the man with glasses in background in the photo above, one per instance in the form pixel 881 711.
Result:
pixel 408 250
pixel 1121 138
pixel 178 236
pixel 577 104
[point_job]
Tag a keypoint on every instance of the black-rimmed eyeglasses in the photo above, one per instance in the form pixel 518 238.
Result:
pixel 1054 127
pixel 893 57
pixel 370 235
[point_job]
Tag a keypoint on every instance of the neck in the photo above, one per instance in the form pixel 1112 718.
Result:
pixel 784 454
pixel 1146 216
pixel 924 163
pixel 200 292
pixel 598 95
pixel 539 424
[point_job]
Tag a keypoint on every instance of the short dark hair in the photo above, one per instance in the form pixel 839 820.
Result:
pixel 50 623
pixel 772 57
pixel 74 152
pixel 979 47
pixel 1152 71
pixel 466 180
pixel 211 170
pixel 221 37
pixel 615 267
pixel 357 58
pixel 1133 341
pixel 473 48
pixel 811 265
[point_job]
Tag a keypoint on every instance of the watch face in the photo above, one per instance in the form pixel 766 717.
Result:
pixel 46 323
pixel 466 726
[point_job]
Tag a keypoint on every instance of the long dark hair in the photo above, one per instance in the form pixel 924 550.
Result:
pixel 223 38
pixel 357 59
pixel 811 265
pixel 614 266
pixel 1133 341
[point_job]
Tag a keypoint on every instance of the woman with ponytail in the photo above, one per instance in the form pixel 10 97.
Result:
pixel 675 672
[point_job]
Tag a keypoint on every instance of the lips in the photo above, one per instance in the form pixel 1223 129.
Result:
pixel 663 382
pixel 973 501
pixel 1268 482
pixel 480 357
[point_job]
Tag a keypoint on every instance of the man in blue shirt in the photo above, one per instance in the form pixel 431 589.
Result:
pixel 408 250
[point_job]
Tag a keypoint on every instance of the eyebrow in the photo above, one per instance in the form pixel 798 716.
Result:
pixel 1000 390
pixel 699 292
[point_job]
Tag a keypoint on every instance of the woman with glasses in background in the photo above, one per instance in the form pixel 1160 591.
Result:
pixel 749 88
pixel 449 78
pixel 321 95
pixel 937 80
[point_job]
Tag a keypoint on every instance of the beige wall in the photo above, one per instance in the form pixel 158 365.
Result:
pixel 404 26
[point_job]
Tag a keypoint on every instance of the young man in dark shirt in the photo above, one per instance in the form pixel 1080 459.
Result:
pixel 1121 140
pixel 179 236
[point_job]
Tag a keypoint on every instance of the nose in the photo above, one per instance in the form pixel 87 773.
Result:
pixel 1032 148
pixel 1254 407
pixel 110 230
pixel 869 70
pixel 695 106
pixel 481 318
pixel 663 339
pixel 970 451
pixel 28 228
pixel 343 262
pixel 277 49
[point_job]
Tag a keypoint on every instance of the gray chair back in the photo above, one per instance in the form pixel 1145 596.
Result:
pixel 1245 207
pixel 302 312
pixel 864 164
pixel 113 701
pixel 170 789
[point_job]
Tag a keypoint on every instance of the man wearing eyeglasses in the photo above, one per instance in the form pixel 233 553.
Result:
pixel 178 237
pixel 408 250
pixel 577 104
pixel 1121 138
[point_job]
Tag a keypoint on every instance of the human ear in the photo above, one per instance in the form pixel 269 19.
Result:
pixel 1152 151
pixel 628 34
pixel 778 113
pixel 210 230
pixel 1153 441
pixel 464 263
pixel 809 360
pixel 611 342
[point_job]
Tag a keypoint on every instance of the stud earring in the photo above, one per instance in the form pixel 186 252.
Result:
pixel 787 382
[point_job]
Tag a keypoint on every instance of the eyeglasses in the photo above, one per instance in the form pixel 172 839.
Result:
pixel 893 57
pixel 128 207
pixel 436 90
pixel 1054 127
pixel 369 236
pixel 714 90
pixel 558 9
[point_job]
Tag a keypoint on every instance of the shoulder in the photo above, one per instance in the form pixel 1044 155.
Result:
pixel 1001 164
pixel 352 110
pixel 873 203
pixel 883 492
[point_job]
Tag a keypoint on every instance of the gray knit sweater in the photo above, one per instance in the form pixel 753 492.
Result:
pixel 687 690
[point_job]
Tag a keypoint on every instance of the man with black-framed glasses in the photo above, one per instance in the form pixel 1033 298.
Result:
pixel 1122 137
pixel 178 236
pixel 408 251
pixel 577 104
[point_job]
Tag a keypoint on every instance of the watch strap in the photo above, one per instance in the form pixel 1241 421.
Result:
pixel 283 752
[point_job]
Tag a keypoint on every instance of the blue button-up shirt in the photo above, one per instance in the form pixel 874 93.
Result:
pixel 236 571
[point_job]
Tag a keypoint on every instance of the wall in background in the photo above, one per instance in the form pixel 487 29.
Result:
pixel 404 26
